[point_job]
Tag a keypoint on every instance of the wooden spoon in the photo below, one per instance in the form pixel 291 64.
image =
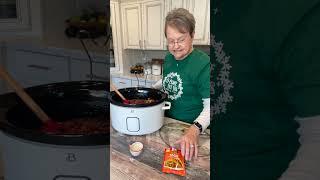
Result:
pixel 113 87
pixel 48 124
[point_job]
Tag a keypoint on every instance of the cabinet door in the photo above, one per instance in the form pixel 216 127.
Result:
pixel 173 4
pixel 116 37
pixel 131 24
pixel 80 70
pixel 200 10
pixel 141 83
pixel 153 24
pixel 32 68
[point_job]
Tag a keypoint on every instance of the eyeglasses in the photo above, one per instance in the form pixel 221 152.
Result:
pixel 180 42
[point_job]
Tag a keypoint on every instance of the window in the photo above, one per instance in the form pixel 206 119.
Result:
pixel 8 9
pixel 15 15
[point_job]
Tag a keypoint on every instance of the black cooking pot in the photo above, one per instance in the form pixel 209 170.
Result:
pixel 61 101
pixel 138 93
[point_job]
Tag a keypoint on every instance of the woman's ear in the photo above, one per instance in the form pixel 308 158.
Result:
pixel 192 35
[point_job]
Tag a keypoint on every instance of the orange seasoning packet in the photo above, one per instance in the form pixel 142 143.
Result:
pixel 173 162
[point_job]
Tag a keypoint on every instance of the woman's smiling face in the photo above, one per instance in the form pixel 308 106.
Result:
pixel 179 44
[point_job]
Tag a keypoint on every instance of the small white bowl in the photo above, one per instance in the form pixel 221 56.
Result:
pixel 136 148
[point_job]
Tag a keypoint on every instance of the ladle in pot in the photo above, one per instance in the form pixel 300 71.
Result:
pixel 49 126
pixel 124 100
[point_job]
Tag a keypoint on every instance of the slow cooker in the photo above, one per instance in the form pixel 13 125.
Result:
pixel 138 119
pixel 31 154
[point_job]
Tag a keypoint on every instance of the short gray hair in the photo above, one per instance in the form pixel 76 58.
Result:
pixel 182 20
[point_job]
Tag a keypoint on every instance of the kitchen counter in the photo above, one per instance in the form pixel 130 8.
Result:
pixel 148 165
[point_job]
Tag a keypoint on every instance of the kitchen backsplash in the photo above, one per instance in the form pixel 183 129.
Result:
pixel 131 56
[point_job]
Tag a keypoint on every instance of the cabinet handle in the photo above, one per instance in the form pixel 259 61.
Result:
pixel 39 67
pixel 144 44
pixel 58 177
pixel 140 42
pixel 97 77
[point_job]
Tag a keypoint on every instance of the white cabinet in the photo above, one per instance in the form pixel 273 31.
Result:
pixel 153 24
pixel 173 4
pixel 141 83
pixel 80 70
pixel 125 81
pixel 116 37
pixel 142 24
pixel 131 24
pixel 201 12
pixel 121 82
pixel 34 68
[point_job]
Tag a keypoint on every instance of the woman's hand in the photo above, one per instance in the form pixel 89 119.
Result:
pixel 189 143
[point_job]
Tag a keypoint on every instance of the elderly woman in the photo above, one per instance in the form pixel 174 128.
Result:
pixel 186 79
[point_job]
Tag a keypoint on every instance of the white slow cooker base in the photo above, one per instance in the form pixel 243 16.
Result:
pixel 29 160
pixel 137 120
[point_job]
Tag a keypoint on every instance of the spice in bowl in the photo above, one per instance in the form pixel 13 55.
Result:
pixel 136 148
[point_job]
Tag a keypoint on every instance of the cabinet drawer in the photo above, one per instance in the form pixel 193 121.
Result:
pixel 121 82
pixel 80 70
pixel 31 68
pixel 142 83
